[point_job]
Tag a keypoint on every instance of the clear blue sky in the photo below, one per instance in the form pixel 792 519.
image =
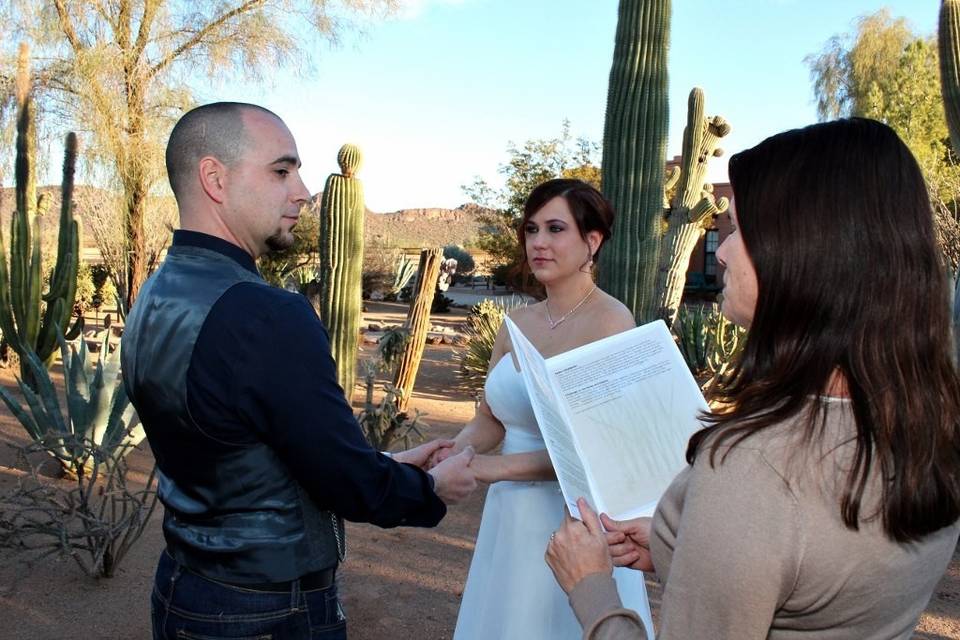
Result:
pixel 433 96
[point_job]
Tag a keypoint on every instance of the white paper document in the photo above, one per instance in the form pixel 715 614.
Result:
pixel 615 414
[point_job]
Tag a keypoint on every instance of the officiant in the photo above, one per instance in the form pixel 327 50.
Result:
pixel 823 499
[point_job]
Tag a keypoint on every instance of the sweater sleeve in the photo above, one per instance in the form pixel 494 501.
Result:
pixel 597 605
pixel 739 543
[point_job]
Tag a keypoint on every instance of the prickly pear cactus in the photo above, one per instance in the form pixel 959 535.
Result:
pixel 341 263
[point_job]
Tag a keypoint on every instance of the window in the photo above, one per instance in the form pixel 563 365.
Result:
pixel 710 260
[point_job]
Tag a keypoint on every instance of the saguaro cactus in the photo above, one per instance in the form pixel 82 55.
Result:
pixel 341 263
pixel 29 319
pixel 418 323
pixel 693 205
pixel 634 145
pixel 948 40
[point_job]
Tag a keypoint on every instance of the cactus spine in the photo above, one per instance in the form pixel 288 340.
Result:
pixel 418 323
pixel 948 41
pixel 693 206
pixel 634 145
pixel 341 263
pixel 21 302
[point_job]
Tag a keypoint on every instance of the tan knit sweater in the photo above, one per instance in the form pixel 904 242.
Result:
pixel 756 548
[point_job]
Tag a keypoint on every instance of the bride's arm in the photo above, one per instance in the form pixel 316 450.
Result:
pixel 533 465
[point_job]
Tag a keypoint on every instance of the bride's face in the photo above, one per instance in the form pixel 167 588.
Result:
pixel 555 248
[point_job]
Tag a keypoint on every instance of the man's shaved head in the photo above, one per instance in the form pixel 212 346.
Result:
pixel 216 130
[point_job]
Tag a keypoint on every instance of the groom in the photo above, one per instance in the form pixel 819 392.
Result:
pixel 259 456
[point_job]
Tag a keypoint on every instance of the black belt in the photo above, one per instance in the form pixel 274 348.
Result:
pixel 310 582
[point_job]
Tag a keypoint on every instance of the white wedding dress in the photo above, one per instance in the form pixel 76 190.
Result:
pixel 510 591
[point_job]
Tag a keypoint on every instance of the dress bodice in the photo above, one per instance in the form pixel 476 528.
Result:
pixel 508 400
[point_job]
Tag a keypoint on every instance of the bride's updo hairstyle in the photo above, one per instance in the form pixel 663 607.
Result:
pixel 589 208
pixel 836 219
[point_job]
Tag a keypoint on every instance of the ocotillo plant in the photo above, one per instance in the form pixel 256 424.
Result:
pixel 418 323
pixel 341 263
pixel 642 267
pixel 28 318
pixel 693 206
pixel 948 40
pixel 634 149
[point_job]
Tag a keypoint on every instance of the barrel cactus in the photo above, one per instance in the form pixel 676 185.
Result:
pixel 30 318
pixel 341 263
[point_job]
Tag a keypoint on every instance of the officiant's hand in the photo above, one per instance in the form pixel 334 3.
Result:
pixel 453 478
pixel 578 549
pixel 629 542
pixel 420 456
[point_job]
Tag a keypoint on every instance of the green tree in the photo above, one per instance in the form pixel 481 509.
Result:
pixel 528 165
pixel 121 71
pixel 883 70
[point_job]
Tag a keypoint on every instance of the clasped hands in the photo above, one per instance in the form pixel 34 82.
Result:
pixel 580 548
pixel 455 474
pixel 453 477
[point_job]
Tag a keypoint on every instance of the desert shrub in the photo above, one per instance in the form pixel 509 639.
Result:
pixel 104 291
pixel 85 290
pixel 380 259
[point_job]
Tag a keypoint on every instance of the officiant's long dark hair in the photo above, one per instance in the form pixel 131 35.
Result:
pixel 838 224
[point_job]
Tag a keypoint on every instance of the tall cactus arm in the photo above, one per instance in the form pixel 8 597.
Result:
pixel 701 140
pixel 693 205
pixel 948 40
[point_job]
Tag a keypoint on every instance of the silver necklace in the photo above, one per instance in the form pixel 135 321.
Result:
pixel 554 325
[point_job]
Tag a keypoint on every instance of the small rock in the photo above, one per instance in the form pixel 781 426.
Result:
pixel 374 327
pixel 434 339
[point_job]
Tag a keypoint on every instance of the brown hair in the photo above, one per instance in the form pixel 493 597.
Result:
pixel 837 221
pixel 589 208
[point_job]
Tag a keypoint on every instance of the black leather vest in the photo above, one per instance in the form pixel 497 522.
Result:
pixel 233 512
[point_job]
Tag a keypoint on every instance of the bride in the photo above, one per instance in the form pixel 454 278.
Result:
pixel 510 592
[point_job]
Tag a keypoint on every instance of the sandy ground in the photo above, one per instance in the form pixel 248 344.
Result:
pixel 401 583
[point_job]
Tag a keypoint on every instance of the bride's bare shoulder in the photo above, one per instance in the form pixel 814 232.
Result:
pixel 612 315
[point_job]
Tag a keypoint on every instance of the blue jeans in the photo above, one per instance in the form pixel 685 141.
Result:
pixel 187 606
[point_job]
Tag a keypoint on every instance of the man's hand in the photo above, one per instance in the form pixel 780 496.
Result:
pixel 578 549
pixel 629 542
pixel 453 478
pixel 419 456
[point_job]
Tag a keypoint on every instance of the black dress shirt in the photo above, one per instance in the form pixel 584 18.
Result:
pixel 261 369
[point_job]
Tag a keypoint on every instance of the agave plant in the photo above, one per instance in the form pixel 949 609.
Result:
pixel 99 419
pixel 403 272
pixel 483 323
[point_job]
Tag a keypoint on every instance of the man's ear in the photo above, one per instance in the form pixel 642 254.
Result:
pixel 212 175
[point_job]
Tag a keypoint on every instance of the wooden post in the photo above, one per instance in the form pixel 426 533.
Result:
pixel 418 323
